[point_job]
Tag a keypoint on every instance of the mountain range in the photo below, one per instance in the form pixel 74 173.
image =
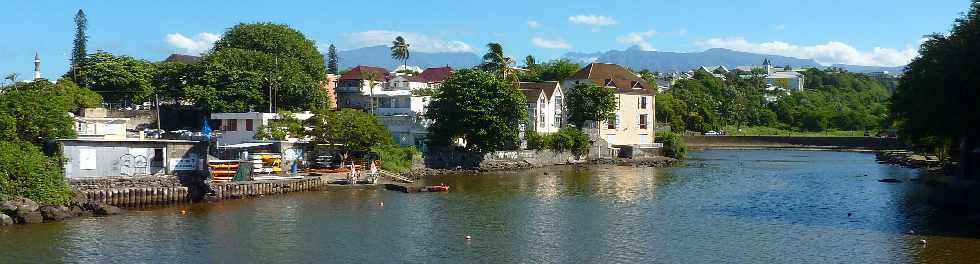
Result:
pixel 633 57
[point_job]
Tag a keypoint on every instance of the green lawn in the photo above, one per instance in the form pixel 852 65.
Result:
pixel 770 131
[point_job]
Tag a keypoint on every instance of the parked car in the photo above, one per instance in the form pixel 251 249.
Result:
pixel 712 133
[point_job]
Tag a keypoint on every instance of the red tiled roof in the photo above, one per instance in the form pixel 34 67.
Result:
pixel 436 74
pixel 605 74
pixel 360 73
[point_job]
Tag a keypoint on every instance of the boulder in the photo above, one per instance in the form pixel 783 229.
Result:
pixel 23 216
pixel 56 213
pixel 77 210
pixel 102 208
pixel 18 203
pixel 6 220
pixel 8 207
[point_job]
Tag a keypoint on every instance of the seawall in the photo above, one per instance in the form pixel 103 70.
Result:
pixel 784 142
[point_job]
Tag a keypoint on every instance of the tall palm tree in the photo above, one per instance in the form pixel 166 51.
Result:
pixel 399 50
pixel 495 61
pixel 12 77
pixel 371 77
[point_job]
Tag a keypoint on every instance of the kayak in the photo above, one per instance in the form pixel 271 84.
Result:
pixel 437 188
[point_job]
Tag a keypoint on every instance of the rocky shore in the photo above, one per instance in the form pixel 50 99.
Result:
pixel 908 159
pixel 654 162
pixel 25 211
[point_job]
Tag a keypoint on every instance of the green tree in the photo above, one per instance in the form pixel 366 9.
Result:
pixel 674 146
pixel 569 139
pixel 558 70
pixel 285 125
pixel 26 172
pixel 357 131
pixel 589 102
pixel 938 98
pixel 332 60
pixel 171 79
pixel 78 52
pixel 529 62
pixel 495 62
pixel 36 112
pixel 119 79
pixel 399 51
pixel 484 111
pixel 231 80
pixel 294 72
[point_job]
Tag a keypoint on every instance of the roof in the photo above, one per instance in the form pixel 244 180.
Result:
pixel 411 78
pixel 360 73
pixel 436 74
pixel 548 87
pixel 531 94
pixel 617 76
pixel 181 58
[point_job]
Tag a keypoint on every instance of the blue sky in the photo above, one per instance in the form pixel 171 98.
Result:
pixel 863 32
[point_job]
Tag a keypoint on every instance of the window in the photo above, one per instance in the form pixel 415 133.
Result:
pixel 643 121
pixel 557 121
pixel 541 120
pixel 248 124
pixel 643 102
pixel 231 124
pixel 612 121
pixel 558 103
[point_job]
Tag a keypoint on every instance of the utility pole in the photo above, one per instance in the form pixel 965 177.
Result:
pixel 156 97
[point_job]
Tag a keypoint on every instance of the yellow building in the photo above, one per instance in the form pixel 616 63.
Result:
pixel 633 123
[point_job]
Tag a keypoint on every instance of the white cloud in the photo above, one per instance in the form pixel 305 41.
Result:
pixel 592 20
pixel 830 53
pixel 550 43
pixel 641 39
pixel 198 44
pixel 416 41
pixel 533 24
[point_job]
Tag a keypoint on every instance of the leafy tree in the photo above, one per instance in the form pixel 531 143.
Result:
pixel 938 98
pixel 171 79
pixel 589 102
pixel 78 52
pixel 36 112
pixel 399 50
pixel 529 62
pixel 358 131
pixel 119 79
pixel 496 62
pixel 231 80
pixel 294 69
pixel 484 111
pixel 12 77
pixel 332 60
pixel 558 70
pixel 569 139
pixel 285 125
pixel 674 146
pixel 26 172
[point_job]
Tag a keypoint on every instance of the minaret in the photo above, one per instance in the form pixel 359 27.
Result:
pixel 37 66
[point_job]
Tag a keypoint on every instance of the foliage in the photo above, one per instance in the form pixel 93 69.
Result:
pixel 394 158
pixel 286 125
pixel 555 70
pixel 230 80
pixel 291 65
pixel 587 102
pixel 25 171
pixel 119 79
pixel 938 99
pixel 37 112
pixel 332 60
pixel 568 139
pixel 171 79
pixel 534 139
pixel 495 62
pixel 78 51
pixel 358 131
pixel 482 110
pixel 674 146
pixel 399 50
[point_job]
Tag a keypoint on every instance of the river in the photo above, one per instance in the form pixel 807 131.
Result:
pixel 724 206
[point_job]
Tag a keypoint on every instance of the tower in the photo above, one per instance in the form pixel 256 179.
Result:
pixel 768 65
pixel 37 66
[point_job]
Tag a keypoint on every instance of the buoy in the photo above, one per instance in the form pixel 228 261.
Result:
pixel 922 241
pixel 183 211
pixel 468 237
pixel 381 204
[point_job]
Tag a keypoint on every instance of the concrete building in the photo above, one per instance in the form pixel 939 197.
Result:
pixel 92 123
pixel 791 80
pixel 357 85
pixel 633 122
pixel 86 158
pixel 546 105
pixel 330 86
pixel 239 128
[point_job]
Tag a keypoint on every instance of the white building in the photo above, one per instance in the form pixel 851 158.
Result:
pixel 238 128
pixel 546 105
pixel 93 124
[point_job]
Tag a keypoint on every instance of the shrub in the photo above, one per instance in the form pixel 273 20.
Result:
pixel 25 171
pixel 534 140
pixel 674 146
pixel 394 158
pixel 567 139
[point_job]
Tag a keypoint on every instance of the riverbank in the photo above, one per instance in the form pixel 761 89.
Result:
pixel 792 142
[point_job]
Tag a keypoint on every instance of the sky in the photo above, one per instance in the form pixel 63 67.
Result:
pixel 858 32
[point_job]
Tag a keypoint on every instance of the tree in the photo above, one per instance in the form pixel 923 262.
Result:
pixel 483 111
pixel 231 80
pixel 294 72
pixel 529 62
pixel 78 52
pixel 357 131
pixel 119 79
pixel 938 98
pixel 496 62
pixel 285 125
pixel 332 60
pixel 589 102
pixel 558 70
pixel 36 112
pixel 26 171
pixel 171 80
pixel 399 50
pixel 12 77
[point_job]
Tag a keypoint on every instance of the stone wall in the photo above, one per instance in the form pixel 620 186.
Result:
pixel 866 143
pixel 115 182
pixel 500 160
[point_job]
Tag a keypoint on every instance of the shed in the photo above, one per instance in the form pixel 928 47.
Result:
pixel 87 158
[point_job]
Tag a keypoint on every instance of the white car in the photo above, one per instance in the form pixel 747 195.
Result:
pixel 712 133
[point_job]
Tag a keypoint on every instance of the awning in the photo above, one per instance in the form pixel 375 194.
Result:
pixel 245 145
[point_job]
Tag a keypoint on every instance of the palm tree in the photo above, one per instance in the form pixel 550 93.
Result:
pixel 371 77
pixel 495 61
pixel 12 77
pixel 399 51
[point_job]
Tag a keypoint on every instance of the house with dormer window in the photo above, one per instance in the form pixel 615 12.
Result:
pixel 633 122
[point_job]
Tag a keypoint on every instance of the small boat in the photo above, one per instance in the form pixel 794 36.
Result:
pixel 437 188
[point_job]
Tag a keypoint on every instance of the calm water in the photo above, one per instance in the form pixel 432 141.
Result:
pixel 723 207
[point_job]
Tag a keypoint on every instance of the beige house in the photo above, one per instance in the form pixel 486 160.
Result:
pixel 633 122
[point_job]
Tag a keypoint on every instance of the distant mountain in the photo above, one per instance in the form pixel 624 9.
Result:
pixel 380 56
pixel 867 69
pixel 664 61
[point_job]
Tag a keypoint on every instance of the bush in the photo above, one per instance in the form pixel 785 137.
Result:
pixel 674 146
pixel 534 140
pixel 567 139
pixel 395 158
pixel 25 171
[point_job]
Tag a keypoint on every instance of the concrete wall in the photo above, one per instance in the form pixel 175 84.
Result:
pixel 96 158
pixel 871 143
pixel 495 161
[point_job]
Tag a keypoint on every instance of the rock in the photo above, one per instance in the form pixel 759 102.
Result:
pixel 102 208
pixel 6 220
pixel 23 216
pixel 8 207
pixel 56 213
pixel 77 210
pixel 890 180
pixel 18 203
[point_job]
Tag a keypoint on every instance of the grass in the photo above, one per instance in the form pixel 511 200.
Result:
pixel 771 131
